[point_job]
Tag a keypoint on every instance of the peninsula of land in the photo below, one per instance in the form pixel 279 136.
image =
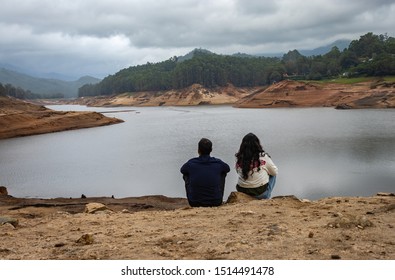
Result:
pixel 20 118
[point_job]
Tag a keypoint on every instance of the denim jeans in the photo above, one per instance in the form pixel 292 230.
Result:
pixel 268 193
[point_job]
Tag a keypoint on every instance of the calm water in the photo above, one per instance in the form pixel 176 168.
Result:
pixel 319 151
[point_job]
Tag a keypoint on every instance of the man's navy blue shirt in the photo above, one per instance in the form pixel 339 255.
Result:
pixel 205 180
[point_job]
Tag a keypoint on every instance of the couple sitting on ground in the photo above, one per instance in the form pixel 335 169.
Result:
pixel 204 176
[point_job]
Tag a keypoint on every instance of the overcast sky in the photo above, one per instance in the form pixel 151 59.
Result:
pixel 100 37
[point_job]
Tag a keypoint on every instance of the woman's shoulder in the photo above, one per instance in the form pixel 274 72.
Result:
pixel 264 155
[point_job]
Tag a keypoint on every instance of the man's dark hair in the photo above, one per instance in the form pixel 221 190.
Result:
pixel 205 146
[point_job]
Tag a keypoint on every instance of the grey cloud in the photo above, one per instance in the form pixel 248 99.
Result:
pixel 126 32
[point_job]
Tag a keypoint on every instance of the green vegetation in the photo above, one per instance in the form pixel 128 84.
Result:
pixel 18 92
pixel 355 80
pixel 371 55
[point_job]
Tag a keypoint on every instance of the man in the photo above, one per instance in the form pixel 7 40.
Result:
pixel 204 177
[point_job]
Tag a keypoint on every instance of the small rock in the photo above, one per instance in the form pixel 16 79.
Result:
pixel 239 197
pixel 246 213
pixel 343 106
pixel 7 226
pixel 338 214
pixel 7 220
pixel 95 207
pixel 385 194
pixel 335 257
pixel 3 190
pixel 86 239
pixel 311 234
pixel 364 222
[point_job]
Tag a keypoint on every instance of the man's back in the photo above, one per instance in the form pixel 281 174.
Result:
pixel 205 180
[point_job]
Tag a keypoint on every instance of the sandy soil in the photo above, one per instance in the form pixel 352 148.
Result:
pixel 166 228
pixel 312 94
pixel 372 94
pixel 18 118
pixel 190 96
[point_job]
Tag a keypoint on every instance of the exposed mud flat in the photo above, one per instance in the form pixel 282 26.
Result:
pixel 19 118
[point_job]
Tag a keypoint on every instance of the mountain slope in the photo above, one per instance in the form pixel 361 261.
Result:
pixel 44 86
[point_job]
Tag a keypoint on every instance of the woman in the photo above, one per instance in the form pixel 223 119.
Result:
pixel 256 170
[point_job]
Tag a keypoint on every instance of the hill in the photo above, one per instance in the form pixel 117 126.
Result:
pixel 340 44
pixel 371 55
pixel 44 86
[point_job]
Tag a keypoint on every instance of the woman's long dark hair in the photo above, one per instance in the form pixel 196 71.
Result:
pixel 248 154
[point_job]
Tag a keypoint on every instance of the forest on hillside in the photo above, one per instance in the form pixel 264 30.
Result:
pixel 370 55
pixel 18 92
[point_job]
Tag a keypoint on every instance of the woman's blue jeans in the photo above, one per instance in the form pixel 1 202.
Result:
pixel 268 193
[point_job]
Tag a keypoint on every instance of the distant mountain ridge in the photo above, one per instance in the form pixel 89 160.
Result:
pixel 44 86
pixel 340 44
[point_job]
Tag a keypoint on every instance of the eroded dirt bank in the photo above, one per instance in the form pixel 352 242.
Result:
pixel 313 94
pixel 287 93
pixel 18 118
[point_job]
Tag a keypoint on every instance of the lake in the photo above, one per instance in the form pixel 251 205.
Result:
pixel 320 152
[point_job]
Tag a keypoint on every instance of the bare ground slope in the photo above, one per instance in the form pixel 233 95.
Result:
pixel 309 94
pixel 287 93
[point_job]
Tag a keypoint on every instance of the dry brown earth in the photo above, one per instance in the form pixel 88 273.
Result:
pixel 372 94
pixel 18 118
pixel 190 96
pixel 166 228
pixel 310 94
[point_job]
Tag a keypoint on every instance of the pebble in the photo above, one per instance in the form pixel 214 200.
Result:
pixel 86 239
pixel 7 220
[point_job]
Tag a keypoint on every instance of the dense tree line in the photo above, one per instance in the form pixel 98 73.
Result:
pixel 18 92
pixel 372 55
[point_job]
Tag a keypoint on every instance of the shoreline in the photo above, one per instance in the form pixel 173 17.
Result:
pixel 19 118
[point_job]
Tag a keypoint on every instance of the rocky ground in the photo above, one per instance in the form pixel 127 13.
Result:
pixel 157 227
pixel 19 118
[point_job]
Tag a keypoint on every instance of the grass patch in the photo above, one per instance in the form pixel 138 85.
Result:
pixel 350 81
